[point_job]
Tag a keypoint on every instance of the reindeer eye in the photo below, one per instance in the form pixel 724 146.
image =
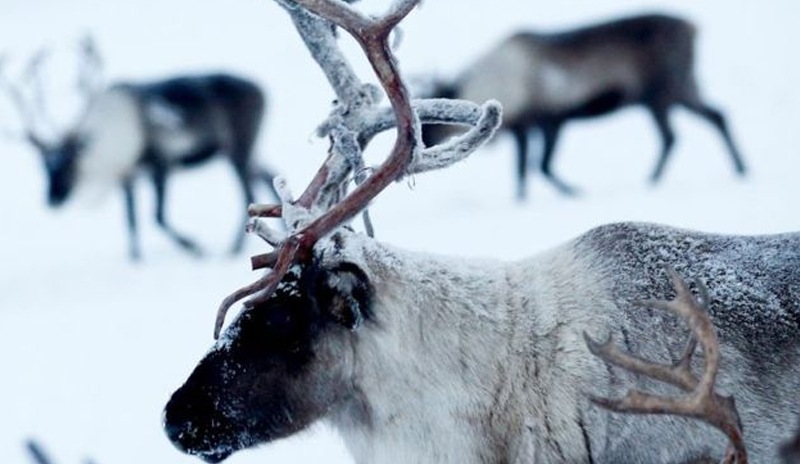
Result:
pixel 278 319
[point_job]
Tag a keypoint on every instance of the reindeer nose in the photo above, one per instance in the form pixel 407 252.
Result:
pixel 182 419
pixel 54 201
pixel 176 425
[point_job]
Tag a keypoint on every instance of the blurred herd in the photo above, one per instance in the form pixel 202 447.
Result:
pixel 127 129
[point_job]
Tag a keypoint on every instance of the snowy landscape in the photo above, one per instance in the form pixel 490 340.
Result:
pixel 93 345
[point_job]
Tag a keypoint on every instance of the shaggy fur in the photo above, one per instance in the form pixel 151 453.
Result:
pixel 459 361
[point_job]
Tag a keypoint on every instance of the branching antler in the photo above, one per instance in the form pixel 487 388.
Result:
pixel 26 111
pixel 324 205
pixel 701 402
pixel 28 95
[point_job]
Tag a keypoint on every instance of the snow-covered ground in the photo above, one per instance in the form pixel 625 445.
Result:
pixel 92 345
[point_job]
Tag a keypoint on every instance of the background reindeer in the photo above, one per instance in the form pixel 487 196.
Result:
pixel 417 358
pixel 154 127
pixel 546 80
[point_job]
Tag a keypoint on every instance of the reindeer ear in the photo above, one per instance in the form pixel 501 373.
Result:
pixel 344 295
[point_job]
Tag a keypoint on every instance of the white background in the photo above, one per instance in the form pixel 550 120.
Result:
pixel 91 346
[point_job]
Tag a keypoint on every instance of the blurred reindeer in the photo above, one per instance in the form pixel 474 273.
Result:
pixel 155 127
pixel 546 80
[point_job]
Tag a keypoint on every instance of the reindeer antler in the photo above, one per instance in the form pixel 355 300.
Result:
pixel 701 402
pixel 27 113
pixel 90 73
pixel 323 205
pixel 90 76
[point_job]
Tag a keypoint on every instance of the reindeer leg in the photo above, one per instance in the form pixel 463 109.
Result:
pixel 716 118
pixel 130 215
pixel 160 183
pixel 550 132
pixel 37 452
pixel 661 117
pixel 521 138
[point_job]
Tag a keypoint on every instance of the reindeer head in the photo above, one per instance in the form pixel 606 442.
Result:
pixel 287 360
pixel 281 365
pixel 60 165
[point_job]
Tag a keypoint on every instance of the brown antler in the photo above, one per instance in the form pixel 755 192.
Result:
pixel 701 402
pixel 321 208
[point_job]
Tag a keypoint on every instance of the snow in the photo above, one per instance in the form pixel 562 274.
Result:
pixel 93 345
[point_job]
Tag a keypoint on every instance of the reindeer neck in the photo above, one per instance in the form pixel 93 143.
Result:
pixel 463 379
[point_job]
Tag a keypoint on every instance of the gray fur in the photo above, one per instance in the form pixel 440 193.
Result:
pixel 464 361
pixel 754 285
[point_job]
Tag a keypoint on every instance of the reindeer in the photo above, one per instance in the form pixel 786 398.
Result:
pixel 546 80
pixel 154 127
pixel 421 358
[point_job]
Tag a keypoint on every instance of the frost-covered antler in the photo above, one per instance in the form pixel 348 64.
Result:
pixel 701 401
pixel 324 205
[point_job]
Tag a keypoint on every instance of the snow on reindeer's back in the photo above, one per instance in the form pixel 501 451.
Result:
pixel 752 280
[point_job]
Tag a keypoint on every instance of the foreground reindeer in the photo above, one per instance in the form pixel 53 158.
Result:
pixel 156 127
pixel 546 80
pixel 423 359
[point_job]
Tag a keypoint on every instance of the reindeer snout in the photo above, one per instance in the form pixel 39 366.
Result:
pixel 177 423
pixel 183 424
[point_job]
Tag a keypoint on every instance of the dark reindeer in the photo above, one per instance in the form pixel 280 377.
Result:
pixel 421 358
pixel 546 80
pixel 154 127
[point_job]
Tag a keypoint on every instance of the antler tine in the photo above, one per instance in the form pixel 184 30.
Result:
pixel 91 66
pixel 89 75
pixel 269 235
pixel 321 208
pixel 33 74
pixel 701 402
pixel 27 115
